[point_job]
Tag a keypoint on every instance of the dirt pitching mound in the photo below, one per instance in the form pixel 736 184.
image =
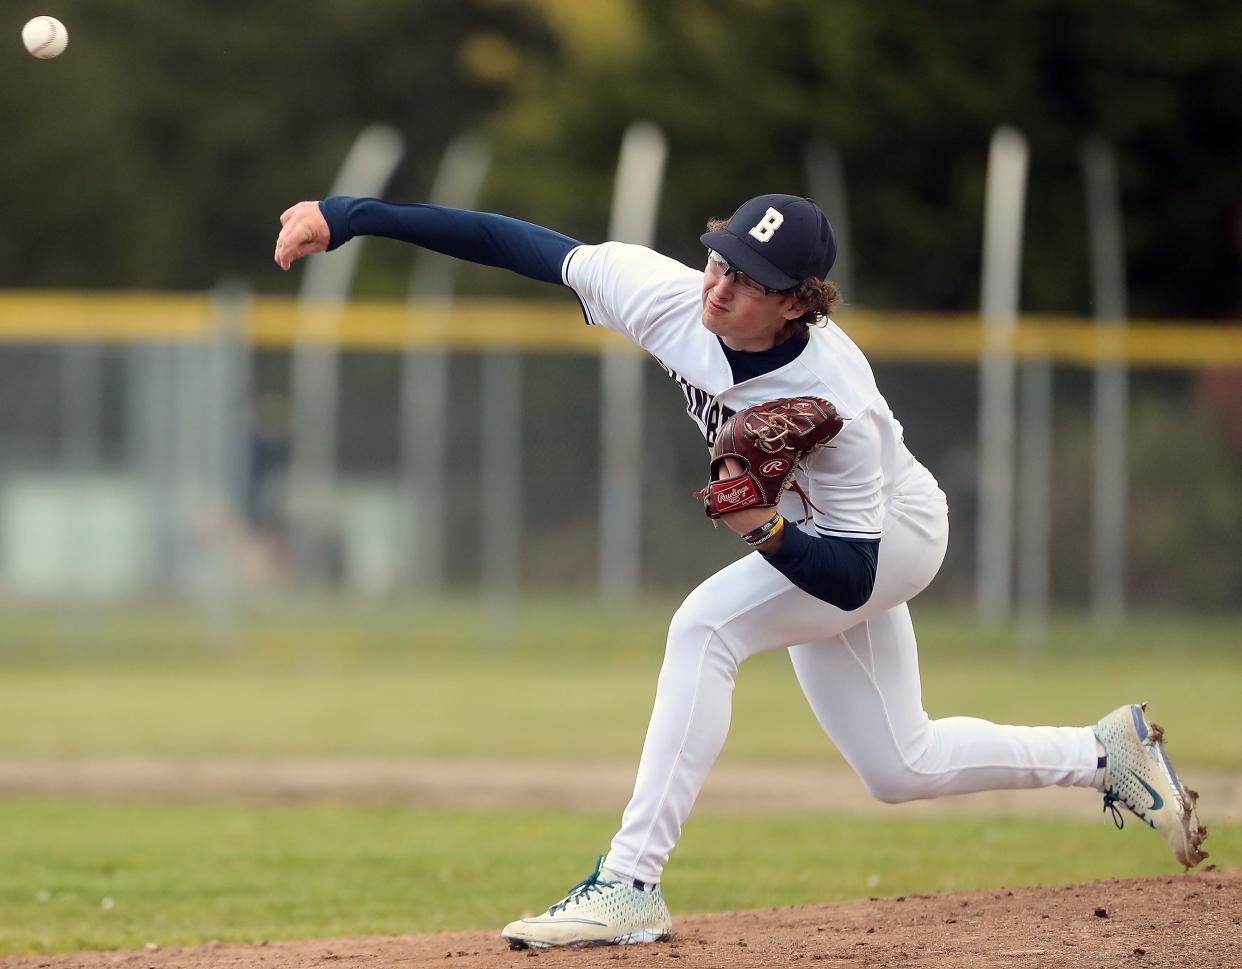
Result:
pixel 1184 921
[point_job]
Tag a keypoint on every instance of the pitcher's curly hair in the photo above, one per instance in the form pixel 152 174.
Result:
pixel 820 297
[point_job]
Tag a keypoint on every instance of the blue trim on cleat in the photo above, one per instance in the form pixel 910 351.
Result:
pixel 1157 802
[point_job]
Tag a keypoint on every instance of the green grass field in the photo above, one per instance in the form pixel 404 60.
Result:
pixel 551 683
pixel 558 682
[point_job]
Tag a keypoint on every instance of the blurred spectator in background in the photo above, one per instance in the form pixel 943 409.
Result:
pixel 266 469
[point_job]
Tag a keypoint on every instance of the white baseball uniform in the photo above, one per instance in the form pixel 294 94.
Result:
pixel 858 669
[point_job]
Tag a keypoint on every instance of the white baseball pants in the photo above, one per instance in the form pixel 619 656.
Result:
pixel 859 670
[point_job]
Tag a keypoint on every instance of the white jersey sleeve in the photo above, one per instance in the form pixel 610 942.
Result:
pixel 846 480
pixel 627 288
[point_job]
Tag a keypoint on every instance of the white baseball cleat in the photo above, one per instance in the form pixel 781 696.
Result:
pixel 603 909
pixel 1138 775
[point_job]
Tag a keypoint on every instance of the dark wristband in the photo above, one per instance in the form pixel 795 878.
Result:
pixel 757 536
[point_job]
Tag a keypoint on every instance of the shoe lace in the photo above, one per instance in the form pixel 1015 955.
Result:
pixel 1110 804
pixel 584 888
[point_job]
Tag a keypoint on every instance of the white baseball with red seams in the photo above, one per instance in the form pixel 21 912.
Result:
pixel 45 37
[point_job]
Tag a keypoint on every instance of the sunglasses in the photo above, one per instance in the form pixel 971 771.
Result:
pixel 740 279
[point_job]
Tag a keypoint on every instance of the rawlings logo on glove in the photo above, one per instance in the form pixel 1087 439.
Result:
pixel 768 440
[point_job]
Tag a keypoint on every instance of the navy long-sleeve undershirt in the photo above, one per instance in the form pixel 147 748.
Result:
pixel 840 571
pixel 837 570
pixel 492 240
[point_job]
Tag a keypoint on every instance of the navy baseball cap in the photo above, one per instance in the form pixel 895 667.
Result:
pixel 777 240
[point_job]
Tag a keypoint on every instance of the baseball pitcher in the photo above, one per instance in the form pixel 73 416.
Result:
pixel 809 467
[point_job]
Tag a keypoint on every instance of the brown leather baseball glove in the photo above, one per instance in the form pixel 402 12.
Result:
pixel 769 440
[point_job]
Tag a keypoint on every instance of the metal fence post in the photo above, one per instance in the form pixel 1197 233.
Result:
pixel 1004 203
pixel 1110 486
pixel 635 204
pixel 826 178
pixel 326 282
pixel 424 377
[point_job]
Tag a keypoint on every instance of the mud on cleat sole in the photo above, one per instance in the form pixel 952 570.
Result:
pixel 1141 777
pixel 1196 833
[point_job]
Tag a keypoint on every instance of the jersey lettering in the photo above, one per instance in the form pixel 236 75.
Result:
pixel 701 407
pixel 767 226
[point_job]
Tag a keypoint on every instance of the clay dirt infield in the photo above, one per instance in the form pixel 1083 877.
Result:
pixel 1191 921
pixel 749 789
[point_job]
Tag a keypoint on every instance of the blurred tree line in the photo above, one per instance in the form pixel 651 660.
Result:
pixel 158 151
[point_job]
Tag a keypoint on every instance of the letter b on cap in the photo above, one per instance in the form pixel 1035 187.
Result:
pixel 767 226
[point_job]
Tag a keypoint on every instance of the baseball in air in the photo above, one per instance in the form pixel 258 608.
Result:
pixel 45 37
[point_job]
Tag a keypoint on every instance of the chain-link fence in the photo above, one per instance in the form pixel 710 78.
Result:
pixel 135 465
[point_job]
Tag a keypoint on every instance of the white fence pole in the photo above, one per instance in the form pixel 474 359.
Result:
pixel 1035 503
pixel 1004 203
pixel 81 392
pixel 146 411
pixel 326 283
pixel 227 376
pixel 424 377
pixel 186 451
pixel 826 178
pixel 1110 487
pixel 635 204
pixel 500 485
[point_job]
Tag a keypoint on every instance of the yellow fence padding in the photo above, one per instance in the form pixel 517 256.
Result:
pixel 556 326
